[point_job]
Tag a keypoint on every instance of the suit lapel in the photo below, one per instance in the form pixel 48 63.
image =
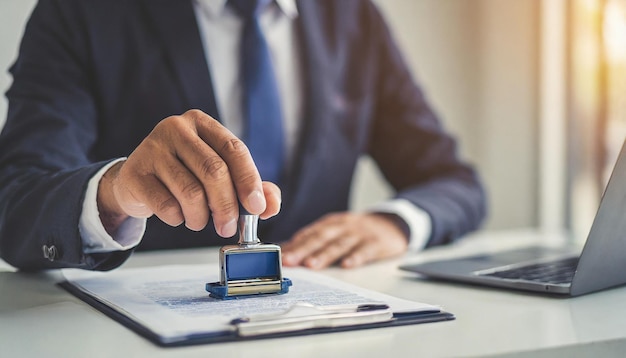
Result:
pixel 315 61
pixel 175 23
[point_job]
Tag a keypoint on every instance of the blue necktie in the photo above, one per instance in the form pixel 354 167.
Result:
pixel 262 113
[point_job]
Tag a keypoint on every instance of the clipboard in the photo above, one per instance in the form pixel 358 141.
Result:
pixel 298 320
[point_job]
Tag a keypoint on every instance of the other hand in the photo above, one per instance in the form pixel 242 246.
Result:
pixel 187 169
pixel 349 239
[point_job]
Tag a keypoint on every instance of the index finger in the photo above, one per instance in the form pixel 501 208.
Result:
pixel 308 241
pixel 235 153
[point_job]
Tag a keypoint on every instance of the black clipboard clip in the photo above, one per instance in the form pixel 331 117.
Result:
pixel 305 316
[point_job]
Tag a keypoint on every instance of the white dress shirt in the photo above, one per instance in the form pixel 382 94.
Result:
pixel 220 30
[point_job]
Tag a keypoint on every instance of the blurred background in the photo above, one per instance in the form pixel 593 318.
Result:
pixel 533 90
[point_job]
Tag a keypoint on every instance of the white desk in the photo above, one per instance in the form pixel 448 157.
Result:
pixel 39 319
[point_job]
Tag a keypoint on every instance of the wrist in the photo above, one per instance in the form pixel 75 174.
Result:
pixel 109 210
pixel 398 223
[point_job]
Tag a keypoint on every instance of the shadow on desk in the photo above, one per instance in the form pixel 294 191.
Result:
pixel 23 290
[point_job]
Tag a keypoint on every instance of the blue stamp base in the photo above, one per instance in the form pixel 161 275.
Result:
pixel 217 290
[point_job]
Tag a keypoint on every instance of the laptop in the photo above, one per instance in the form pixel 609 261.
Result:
pixel 600 265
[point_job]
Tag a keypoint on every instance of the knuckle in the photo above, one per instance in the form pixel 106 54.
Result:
pixel 332 218
pixel 247 179
pixel 168 206
pixel 223 207
pixel 198 116
pixel 193 193
pixel 235 147
pixel 150 144
pixel 311 232
pixel 169 126
pixel 174 121
pixel 194 113
pixel 214 168
pixel 342 245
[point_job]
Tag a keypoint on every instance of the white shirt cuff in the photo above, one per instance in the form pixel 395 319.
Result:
pixel 94 236
pixel 418 220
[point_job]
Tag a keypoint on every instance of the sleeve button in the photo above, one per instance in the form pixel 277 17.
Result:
pixel 49 252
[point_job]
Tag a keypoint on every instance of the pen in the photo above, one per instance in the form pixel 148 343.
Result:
pixel 304 316
pixel 312 310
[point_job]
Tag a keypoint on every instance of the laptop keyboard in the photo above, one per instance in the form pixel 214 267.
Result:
pixel 560 271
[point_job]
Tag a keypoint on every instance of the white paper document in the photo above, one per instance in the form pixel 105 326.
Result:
pixel 172 302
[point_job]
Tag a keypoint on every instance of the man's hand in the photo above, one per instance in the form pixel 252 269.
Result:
pixel 348 239
pixel 187 169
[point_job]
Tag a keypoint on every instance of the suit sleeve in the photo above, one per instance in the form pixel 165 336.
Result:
pixel 416 155
pixel 45 159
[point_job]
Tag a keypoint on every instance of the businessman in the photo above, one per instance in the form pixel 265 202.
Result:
pixel 140 124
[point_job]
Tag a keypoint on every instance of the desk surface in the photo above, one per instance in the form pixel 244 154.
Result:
pixel 39 319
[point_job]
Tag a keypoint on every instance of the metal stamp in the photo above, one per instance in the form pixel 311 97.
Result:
pixel 251 267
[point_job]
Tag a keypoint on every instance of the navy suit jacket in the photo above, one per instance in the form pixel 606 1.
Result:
pixel 93 77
